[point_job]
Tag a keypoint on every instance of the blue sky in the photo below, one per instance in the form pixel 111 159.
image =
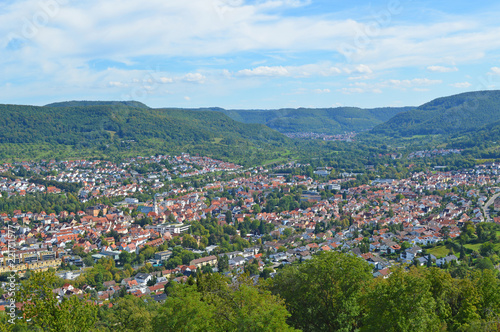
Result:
pixel 247 54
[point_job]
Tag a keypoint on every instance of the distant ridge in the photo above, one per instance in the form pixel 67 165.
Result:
pixel 81 103
pixel 319 120
pixel 462 113
pixel 114 128
pixel 285 120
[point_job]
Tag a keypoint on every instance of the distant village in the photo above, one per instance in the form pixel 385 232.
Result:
pixel 347 137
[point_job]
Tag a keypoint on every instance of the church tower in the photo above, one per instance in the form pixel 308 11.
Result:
pixel 155 206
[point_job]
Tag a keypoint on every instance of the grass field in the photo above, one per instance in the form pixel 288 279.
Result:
pixel 217 140
pixel 439 251
pixel 476 246
pixel 472 246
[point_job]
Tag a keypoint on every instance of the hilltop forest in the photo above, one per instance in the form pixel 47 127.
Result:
pixel 120 129
pixel 109 130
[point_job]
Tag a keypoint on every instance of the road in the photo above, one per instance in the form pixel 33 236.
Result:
pixel 486 211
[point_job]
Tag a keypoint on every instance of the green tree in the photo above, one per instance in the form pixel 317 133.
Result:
pixel 206 269
pixel 445 231
pixel 43 310
pixel 485 263
pixel 324 294
pixel 252 268
pixel 184 310
pixel 241 306
pixel 223 263
pixel 189 242
pixel 213 305
pixel 130 313
pixel 266 273
pixel 152 281
pixel 401 303
pixel 488 287
pixel 405 245
pixel 88 261
pixel 229 217
pixel 125 258
pixel 487 249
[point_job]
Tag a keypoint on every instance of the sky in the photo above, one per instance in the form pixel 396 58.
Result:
pixel 263 54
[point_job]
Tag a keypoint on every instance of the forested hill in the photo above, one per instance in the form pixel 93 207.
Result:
pixel 78 103
pixel 319 120
pixel 461 113
pixel 115 128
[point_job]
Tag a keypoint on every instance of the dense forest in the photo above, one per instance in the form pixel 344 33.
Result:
pixel 88 125
pixel 111 129
pixel 461 113
pixel 318 120
pixel 331 292
pixel 80 103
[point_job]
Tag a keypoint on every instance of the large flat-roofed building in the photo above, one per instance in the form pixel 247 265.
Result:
pixel 163 255
pixel 171 228
pixel 199 262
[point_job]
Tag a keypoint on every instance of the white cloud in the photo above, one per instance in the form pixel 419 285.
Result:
pixel 97 46
pixel 495 70
pixel 302 91
pixel 363 69
pixel 416 84
pixel 441 69
pixel 349 91
pixel 354 78
pixel 322 69
pixel 320 91
pixel 461 85
pixel 187 98
pixel 412 83
pixel 123 30
pixel 265 71
pixel 361 88
pixel 117 84
pixel 166 80
pixel 194 77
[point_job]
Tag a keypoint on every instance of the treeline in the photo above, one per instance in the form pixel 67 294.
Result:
pixel 318 120
pixel 460 113
pixel 336 292
pixel 49 203
pixel 120 129
pixel 66 186
pixel 331 292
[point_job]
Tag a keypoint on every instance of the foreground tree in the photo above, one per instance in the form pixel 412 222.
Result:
pixel 401 303
pixel 184 310
pixel 212 304
pixel 129 313
pixel 42 309
pixel 324 294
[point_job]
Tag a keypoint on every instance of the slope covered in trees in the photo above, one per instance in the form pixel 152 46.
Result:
pixel 115 128
pixel 319 120
pixel 461 113
pixel 81 103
